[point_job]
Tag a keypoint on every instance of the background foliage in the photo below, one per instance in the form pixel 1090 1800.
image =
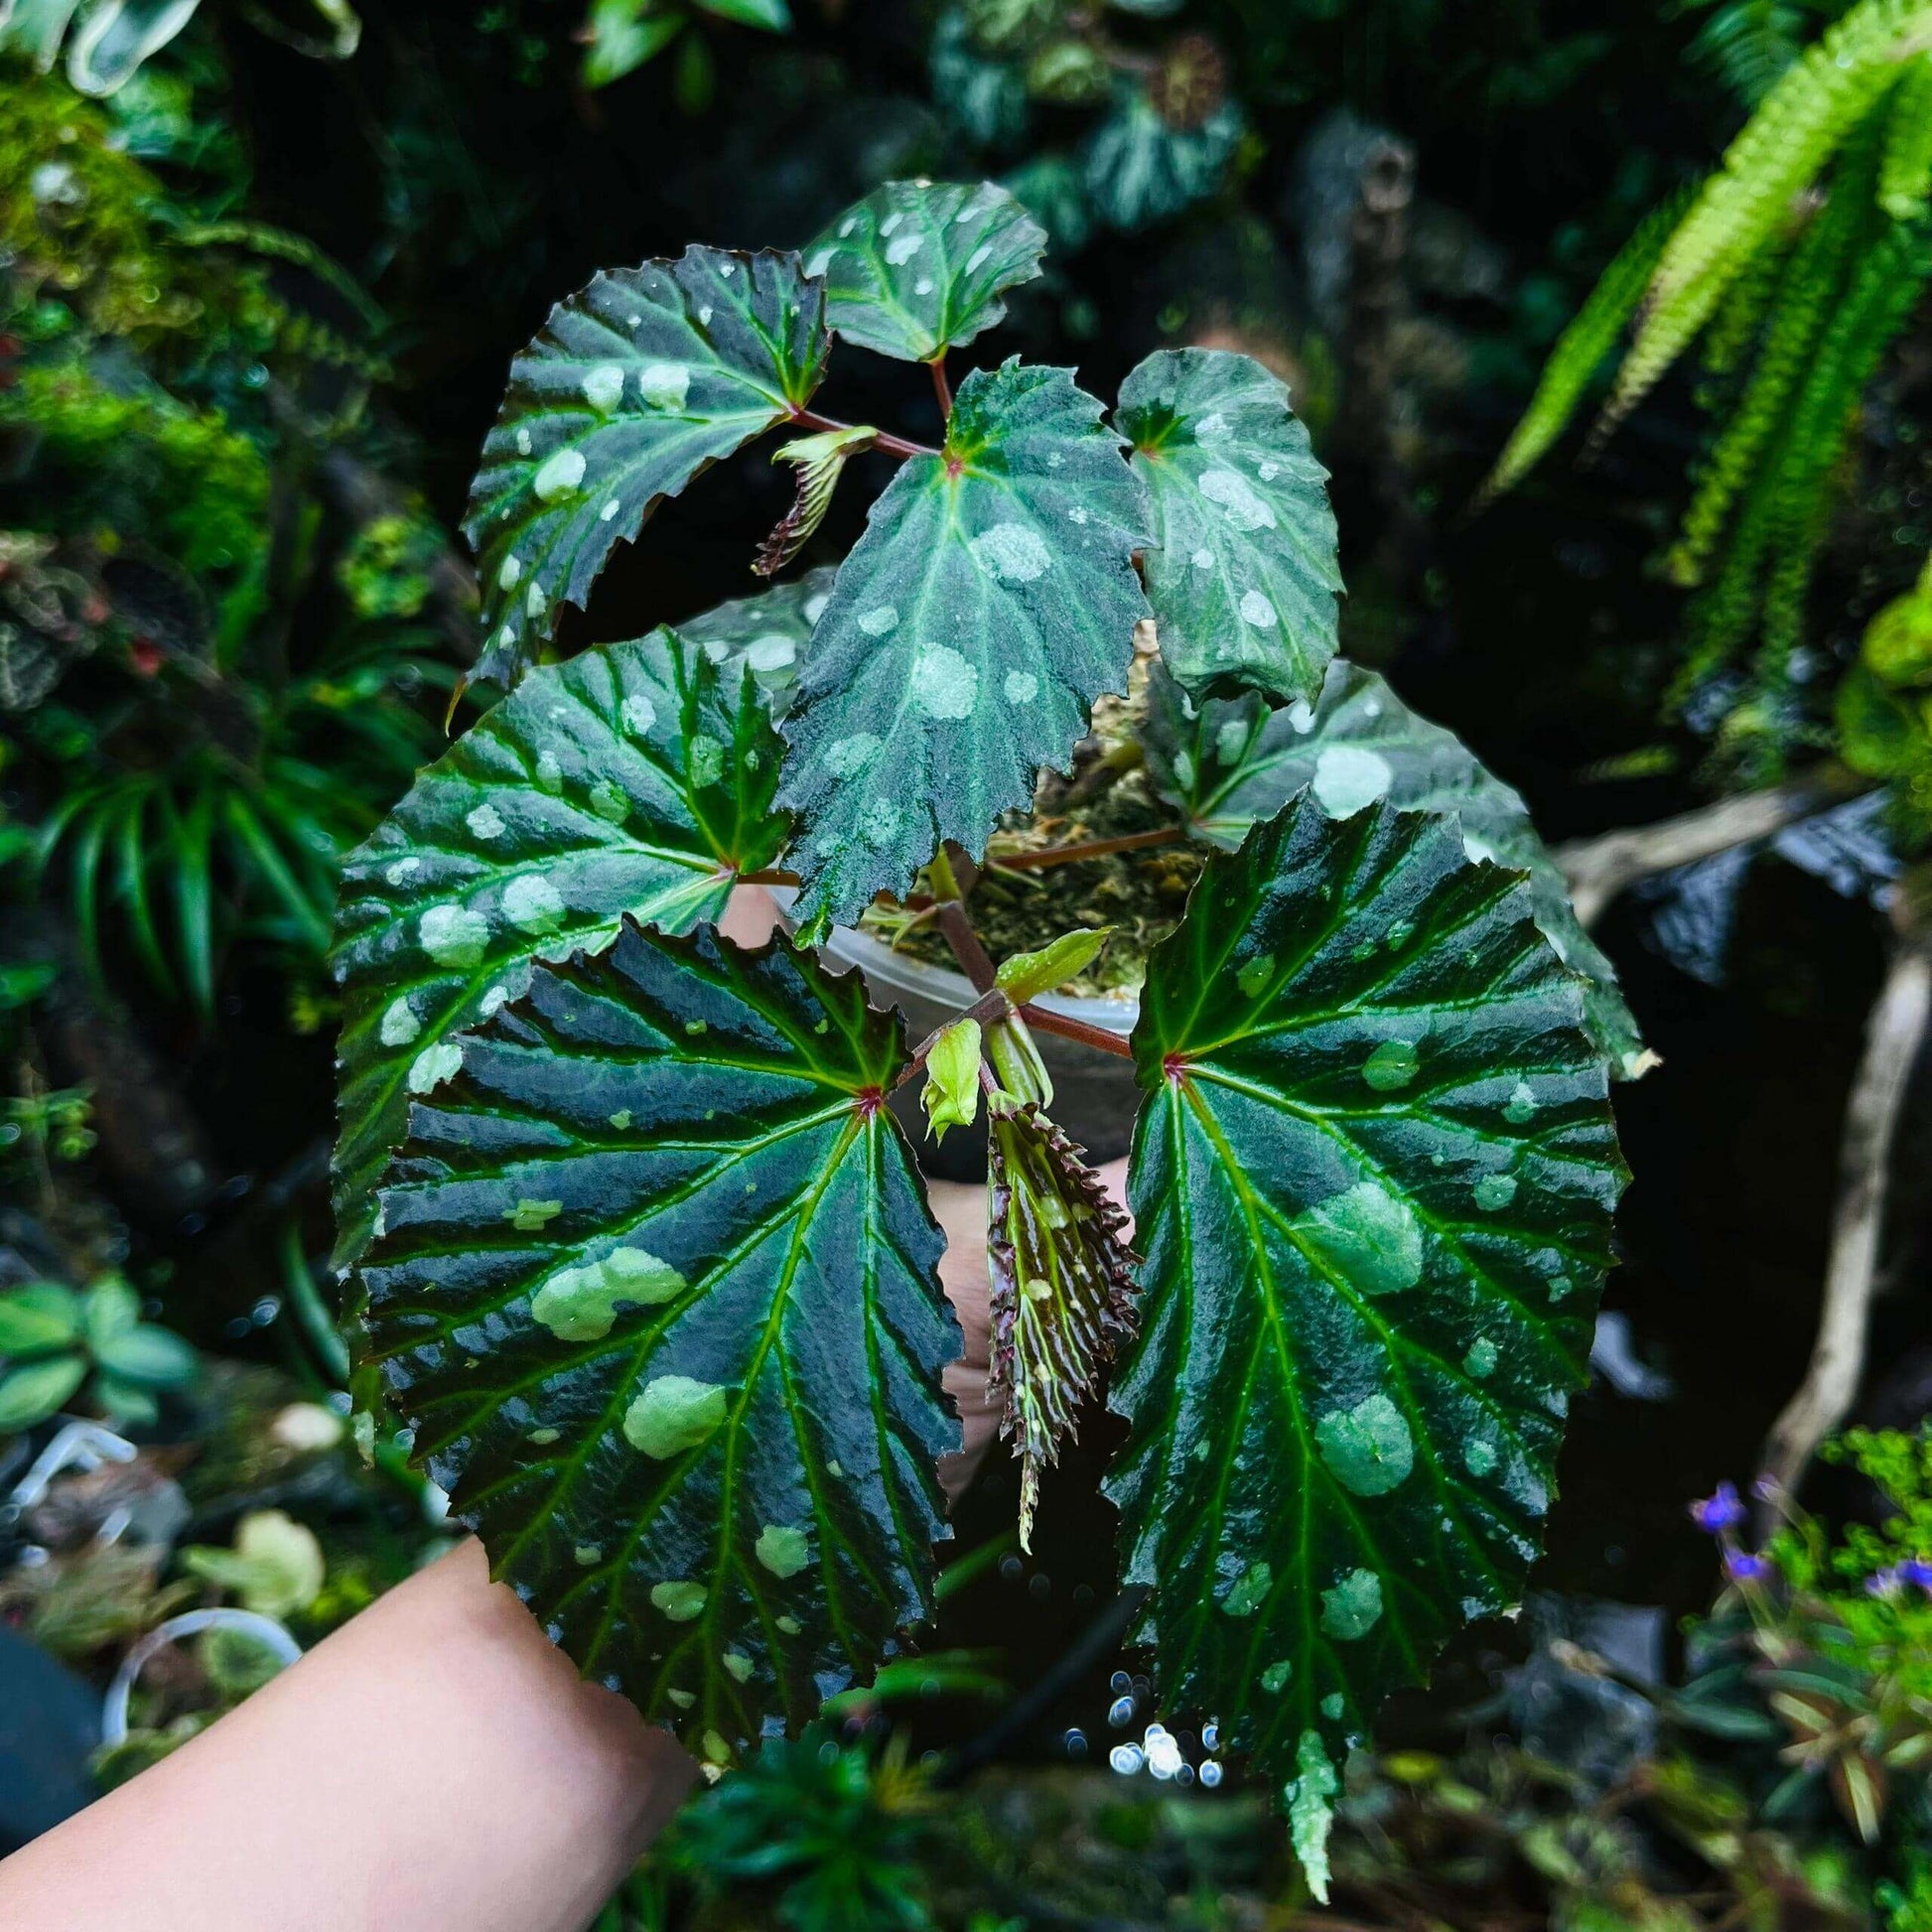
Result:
pixel 259 301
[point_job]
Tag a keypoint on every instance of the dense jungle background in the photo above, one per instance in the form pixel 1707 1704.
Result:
pixel 263 264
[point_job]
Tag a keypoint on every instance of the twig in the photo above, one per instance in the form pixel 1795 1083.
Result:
pixel 884 439
pixel 1069 1028
pixel 1599 869
pixel 1893 1035
pixel 1067 855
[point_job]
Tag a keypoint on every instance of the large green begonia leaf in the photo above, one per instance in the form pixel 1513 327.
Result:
pixel 657 1289
pixel 989 601
pixel 918 267
pixel 634 778
pixel 634 385
pixel 1230 764
pixel 768 633
pixel 1243 576
pixel 1373 1181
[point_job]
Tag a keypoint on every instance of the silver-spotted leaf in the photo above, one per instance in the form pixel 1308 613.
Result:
pixel 1373 1180
pixel 1243 576
pixel 1061 1278
pixel 1140 167
pixel 1230 764
pixel 634 385
pixel 768 633
pixel 634 778
pixel 657 1289
pixel 990 600
pixel 918 267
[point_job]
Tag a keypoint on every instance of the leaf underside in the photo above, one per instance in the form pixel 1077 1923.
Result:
pixel 918 267
pixel 1230 764
pixel 636 384
pixel 1061 1281
pixel 967 636
pixel 636 778
pixel 657 1289
pixel 1373 1180
pixel 1244 574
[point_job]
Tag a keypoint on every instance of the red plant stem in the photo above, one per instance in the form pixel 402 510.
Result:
pixel 882 439
pixel 770 876
pixel 940 386
pixel 1066 855
pixel 1071 1028
pixel 965 943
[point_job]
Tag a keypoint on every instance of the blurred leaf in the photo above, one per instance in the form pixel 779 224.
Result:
pixel 34 1391
pixel 276 1566
pixel 37 1317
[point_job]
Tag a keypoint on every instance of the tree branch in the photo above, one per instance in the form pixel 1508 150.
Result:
pixel 1599 869
pixel 1894 1035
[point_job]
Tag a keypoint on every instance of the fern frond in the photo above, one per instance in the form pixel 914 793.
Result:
pixel 1582 348
pixel 1806 294
pixel 1800 124
pixel 1734 329
pixel 1906 172
pixel 1748 45
pixel 1786 506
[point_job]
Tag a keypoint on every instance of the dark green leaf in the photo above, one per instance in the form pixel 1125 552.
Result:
pixel 635 778
pixel 34 1391
pixel 766 635
pixel 1140 169
pixel 985 98
pixel 918 267
pixel 658 1291
pixel 636 383
pixel 1243 577
pixel 968 634
pixel 1373 1180
pixel 1230 764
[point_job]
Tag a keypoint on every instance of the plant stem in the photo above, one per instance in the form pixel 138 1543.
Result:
pixel 1067 1027
pixel 940 386
pixel 986 1010
pixel 883 439
pixel 1066 855
pixel 974 960
pixel 770 876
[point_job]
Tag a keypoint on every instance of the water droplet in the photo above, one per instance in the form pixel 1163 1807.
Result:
pixel 1391 1067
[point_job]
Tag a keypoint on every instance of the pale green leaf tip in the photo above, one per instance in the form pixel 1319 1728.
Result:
pixel 1309 1798
pixel 1029 974
pixel 951 1096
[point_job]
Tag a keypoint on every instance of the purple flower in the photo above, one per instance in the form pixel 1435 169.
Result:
pixel 1743 1568
pixel 1883 1582
pixel 1918 1572
pixel 1721 1512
